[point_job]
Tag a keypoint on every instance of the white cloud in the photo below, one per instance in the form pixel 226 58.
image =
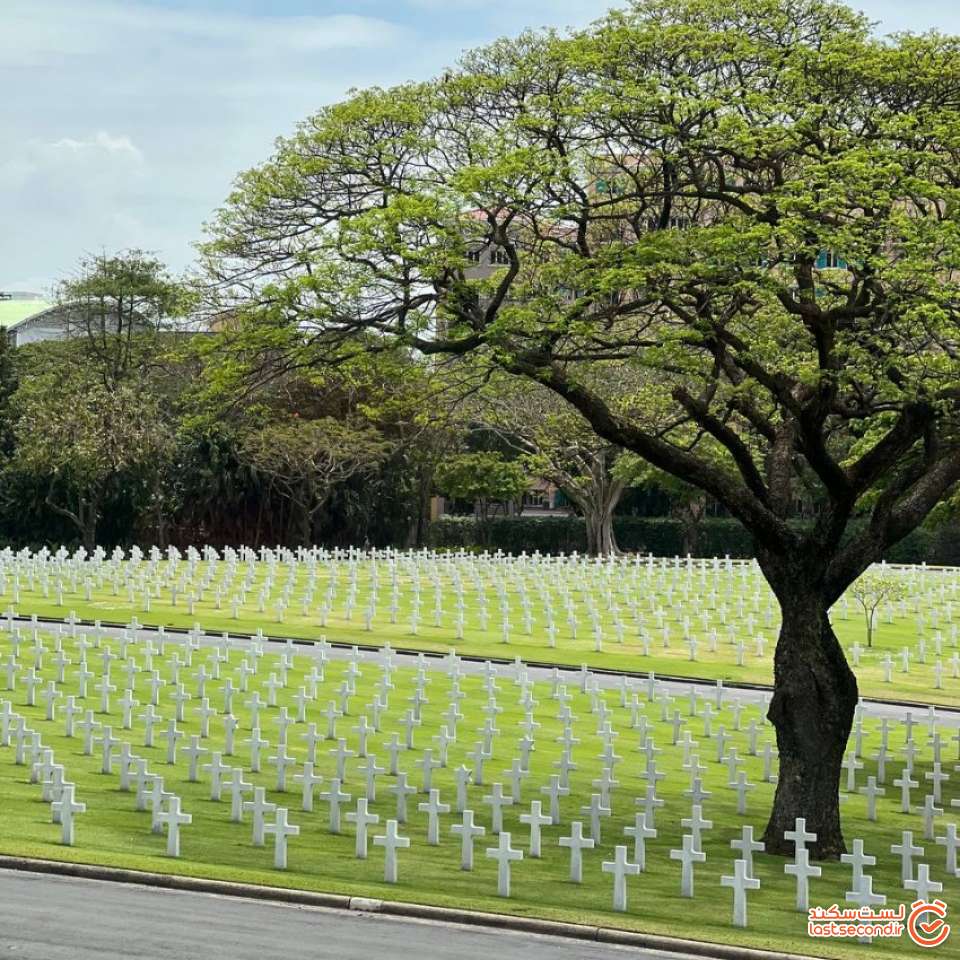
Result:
pixel 41 32
pixel 80 189
pixel 498 17
pixel 100 142
pixel 130 120
pixel 559 9
pixel 104 158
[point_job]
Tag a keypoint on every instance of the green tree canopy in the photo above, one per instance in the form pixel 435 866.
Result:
pixel 330 440
pixel 117 303
pixel 307 458
pixel 484 477
pixel 752 202
pixel 85 438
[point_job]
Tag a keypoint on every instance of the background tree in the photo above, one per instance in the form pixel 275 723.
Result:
pixel 117 304
pixel 559 446
pixel 755 199
pixel 688 504
pixel 87 441
pixel 307 458
pixel 483 478
pixel 310 430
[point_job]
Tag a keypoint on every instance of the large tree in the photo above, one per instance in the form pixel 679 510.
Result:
pixel 756 200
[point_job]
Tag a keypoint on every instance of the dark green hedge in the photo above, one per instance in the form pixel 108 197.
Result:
pixel 661 536
pixel 658 535
pixel 510 534
pixel 939 546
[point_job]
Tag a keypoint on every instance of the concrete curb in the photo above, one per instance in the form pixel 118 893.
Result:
pixel 393 908
pixel 500 661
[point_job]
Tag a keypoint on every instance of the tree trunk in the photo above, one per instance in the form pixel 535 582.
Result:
pixel 162 526
pixel 601 540
pixel 597 504
pixel 305 504
pixel 690 513
pixel 84 518
pixel 305 524
pixel 815 694
pixel 264 494
pixel 90 528
pixel 420 522
pixel 482 517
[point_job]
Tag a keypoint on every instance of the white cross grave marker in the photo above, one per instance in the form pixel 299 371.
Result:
pixel 468 831
pixel 503 854
pixel 280 830
pixel 741 882
pixel 577 843
pixel 391 841
pixel 621 868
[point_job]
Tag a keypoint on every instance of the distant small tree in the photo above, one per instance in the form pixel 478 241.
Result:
pixel 874 588
pixel 484 478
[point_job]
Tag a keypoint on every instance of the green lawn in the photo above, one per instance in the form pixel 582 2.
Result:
pixel 111 832
pixel 679 594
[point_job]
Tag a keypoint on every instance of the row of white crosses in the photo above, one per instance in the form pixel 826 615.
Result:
pixel 30 751
pixel 921 887
pixel 60 793
pixel 539 586
pixel 636 600
pixel 702 713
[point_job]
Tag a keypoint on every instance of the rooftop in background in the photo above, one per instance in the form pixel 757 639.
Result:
pixel 19 307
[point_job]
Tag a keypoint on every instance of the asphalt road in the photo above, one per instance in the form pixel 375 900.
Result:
pixel 59 918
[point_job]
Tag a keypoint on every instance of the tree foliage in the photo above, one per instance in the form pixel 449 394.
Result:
pixel 876 587
pixel 116 304
pixel 559 446
pixel 779 133
pixel 484 478
pixel 752 203
pixel 306 459
pixel 86 438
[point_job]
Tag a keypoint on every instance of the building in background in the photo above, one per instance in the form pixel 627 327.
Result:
pixel 29 318
pixel 25 317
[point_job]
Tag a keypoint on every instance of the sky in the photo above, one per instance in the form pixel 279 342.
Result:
pixel 124 122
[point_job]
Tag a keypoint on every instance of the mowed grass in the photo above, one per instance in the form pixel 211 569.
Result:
pixel 663 597
pixel 112 832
